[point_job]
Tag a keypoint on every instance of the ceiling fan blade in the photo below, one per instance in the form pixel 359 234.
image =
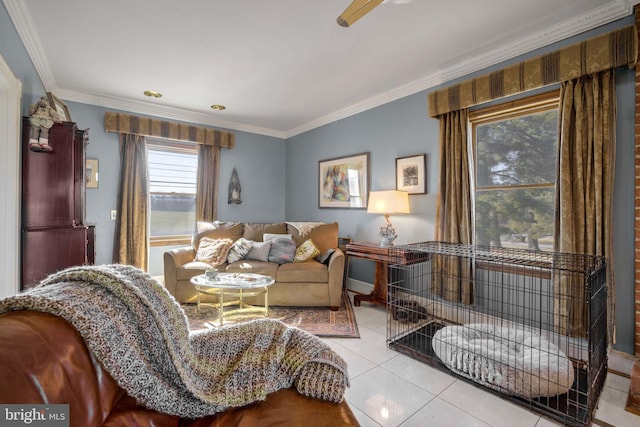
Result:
pixel 356 10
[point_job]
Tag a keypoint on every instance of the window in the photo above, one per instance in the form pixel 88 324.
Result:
pixel 172 191
pixel 515 164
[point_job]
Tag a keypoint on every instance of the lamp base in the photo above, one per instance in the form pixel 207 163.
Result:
pixel 387 241
pixel 387 234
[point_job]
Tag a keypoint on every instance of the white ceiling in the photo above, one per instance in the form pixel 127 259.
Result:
pixel 281 67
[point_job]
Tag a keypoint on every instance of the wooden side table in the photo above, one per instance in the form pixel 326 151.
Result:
pixel 383 256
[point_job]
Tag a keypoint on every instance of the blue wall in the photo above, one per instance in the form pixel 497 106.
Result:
pixel 402 128
pixel 279 178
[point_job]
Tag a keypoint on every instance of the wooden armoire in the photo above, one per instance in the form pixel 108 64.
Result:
pixel 54 231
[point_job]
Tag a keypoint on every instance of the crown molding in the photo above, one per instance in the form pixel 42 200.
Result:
pixel 605 14
pixel 28 33
pixel 613 10
pixel 173 113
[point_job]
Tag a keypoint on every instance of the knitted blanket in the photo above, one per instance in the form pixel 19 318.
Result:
pixel 140 336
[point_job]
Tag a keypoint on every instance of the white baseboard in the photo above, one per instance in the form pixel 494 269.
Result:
pixel 359 286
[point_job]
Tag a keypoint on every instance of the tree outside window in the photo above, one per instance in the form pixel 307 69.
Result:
pixel 515 149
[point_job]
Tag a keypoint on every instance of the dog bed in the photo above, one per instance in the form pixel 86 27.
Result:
pixel 509 360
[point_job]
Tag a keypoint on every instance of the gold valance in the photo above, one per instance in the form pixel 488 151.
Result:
pixel 145 126
pixel 610 50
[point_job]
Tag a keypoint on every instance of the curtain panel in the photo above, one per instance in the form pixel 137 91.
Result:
pixel 207 186
pixel 145 126
pixel 452 276
pixel 607 51
pixel 131 242
pixel 584 191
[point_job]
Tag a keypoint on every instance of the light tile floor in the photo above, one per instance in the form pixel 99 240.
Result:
pixel 391 389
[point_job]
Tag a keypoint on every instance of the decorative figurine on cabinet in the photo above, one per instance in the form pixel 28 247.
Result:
pixel 42 117
pixel 234 188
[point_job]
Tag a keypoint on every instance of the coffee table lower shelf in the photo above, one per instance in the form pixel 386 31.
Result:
pixel 238 286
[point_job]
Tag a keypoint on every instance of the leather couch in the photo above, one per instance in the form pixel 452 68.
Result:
pixel 43 360
pixel 311 283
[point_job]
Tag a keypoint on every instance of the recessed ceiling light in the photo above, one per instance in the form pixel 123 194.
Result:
pixel 152 94
pixel 218 107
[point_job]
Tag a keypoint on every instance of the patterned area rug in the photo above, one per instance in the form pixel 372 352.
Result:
pixel 320 321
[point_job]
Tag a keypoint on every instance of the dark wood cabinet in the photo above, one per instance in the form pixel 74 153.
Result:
pixel 54 233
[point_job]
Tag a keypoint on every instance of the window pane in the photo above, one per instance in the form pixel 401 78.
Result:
pixel 172 214
pixel 171 172
pixel 517 151
pixel 516 218
pixel 172 184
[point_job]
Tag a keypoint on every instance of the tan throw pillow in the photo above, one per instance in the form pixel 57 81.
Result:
pixel 306 251
pixel 213 251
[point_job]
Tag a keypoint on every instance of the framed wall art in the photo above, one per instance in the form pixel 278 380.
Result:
pixel 411 174
pixel 91 173
pixel 60 107
pixel 343 182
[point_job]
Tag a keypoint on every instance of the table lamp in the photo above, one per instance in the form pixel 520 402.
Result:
pixel 387 203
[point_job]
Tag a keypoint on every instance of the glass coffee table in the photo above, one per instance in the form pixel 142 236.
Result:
pixel 236 286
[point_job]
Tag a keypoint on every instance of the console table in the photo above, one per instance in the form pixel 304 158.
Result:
pixel 383 256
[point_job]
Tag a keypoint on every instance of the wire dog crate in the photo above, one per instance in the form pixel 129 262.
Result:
pixel 530 326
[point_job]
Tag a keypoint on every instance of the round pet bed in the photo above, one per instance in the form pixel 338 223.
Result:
pixel 509 360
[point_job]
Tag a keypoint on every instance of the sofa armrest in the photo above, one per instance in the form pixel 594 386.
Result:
pixel 173 259
pixel 44 360
pixel 336 276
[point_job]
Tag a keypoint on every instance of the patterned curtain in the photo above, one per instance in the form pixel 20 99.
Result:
pixel 452 280
pixel 207 189
pixel 584 190
pixel 131 243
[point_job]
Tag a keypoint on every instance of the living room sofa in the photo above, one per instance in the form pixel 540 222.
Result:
pixel 310 283
pixel 43 360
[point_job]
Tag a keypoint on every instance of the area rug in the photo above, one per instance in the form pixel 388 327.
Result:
pixel 320 321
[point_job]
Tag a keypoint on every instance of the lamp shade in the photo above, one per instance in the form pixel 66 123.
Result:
pixel 388 202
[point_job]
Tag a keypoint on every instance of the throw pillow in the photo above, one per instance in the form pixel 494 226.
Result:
pixel 324 257
pixel 272 236
pixel 282 250
pixel 324 236
pixel 213 251
pixel 259 251
pixel 306 251
pixel 239 250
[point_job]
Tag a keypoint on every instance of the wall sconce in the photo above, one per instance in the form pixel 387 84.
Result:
pixel 387 203
pixel 234 188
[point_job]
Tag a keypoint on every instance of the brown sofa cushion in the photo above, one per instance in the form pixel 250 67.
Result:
pixel 190 269
pixel 254 231
pixel 303 272
pixel 325 236
pixel 217 230
pixel 253 266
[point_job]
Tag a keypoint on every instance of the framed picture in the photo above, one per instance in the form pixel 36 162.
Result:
pixel 91 173
pixel 411 174
pixel 57 104
pixel 343 182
